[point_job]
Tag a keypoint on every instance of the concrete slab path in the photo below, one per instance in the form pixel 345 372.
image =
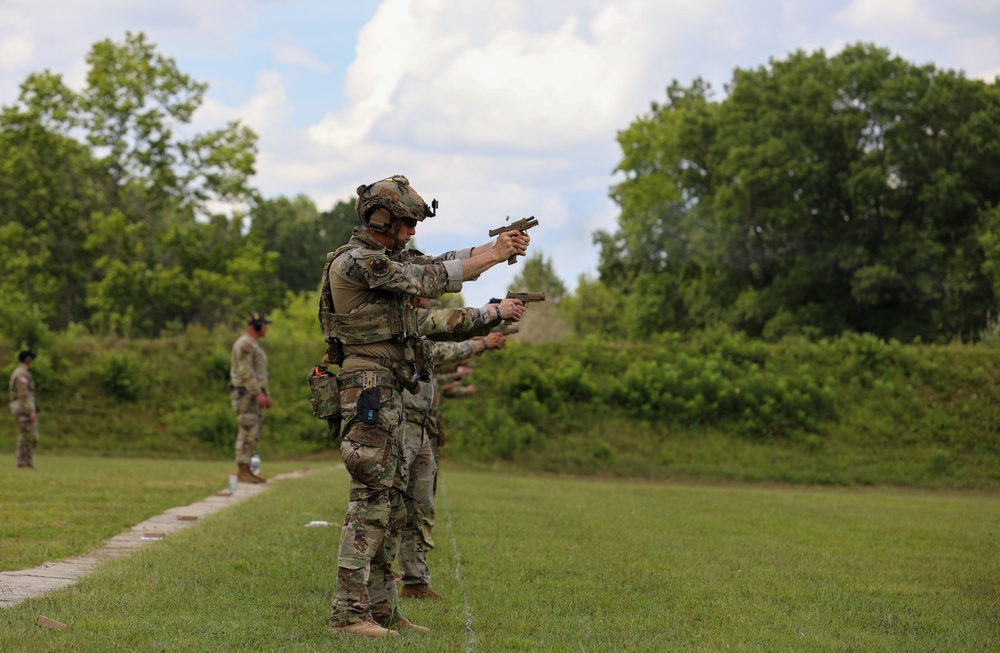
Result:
pixel 17 586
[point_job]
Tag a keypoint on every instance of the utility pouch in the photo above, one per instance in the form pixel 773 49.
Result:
pixel 325 393
pixel 409 383
pixel 368 405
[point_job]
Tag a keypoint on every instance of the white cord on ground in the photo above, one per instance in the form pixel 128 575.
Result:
pixel 471 644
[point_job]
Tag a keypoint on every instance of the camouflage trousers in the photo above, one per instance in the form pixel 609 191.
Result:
pixel 250 419
pixel 418 498
pixel 369 541
pixel 27 440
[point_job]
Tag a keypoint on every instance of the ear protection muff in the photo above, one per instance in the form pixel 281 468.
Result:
pixel 256 321
pixel 379 219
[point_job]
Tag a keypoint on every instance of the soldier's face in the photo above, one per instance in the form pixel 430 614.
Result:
pixel 405 229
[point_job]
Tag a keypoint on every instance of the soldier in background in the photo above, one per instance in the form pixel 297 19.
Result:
pixel 372 334
pixel 451 384
pixel 249 393
pixel 21 393
pixel 421 436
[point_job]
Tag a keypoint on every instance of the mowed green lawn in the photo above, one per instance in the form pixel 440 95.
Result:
pixel 564 564
pixel 71 504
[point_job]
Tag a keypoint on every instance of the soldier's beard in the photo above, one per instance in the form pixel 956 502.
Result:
pixel 397 244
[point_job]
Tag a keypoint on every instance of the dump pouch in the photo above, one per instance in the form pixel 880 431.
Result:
pixel 325 393
pixel 368 405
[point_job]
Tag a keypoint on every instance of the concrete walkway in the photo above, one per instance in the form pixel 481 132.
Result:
pixel 17 586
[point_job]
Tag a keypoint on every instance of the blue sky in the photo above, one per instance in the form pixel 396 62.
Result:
pixel 498 108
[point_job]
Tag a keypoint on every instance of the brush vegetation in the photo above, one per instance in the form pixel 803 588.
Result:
pixel 854 410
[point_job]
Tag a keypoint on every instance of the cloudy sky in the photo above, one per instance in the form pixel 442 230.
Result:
pixel 498 108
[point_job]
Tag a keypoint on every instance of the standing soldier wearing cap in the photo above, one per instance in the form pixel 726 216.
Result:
pixel 373 335
pixel 21 392
pixel 249 394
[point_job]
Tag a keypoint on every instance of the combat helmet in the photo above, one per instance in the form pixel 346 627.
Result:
pixel 389 198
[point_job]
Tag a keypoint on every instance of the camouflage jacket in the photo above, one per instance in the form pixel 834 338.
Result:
pixel 368 285
pixel 460 391
pixel 21 392
pixel 451 324
pixel 248 369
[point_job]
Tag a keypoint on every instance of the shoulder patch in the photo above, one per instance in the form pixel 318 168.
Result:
pixel 378 265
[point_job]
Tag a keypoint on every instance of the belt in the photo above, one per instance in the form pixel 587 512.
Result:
pixel 368 380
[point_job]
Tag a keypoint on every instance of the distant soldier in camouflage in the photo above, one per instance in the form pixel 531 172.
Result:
pixel 21 394
pixel 249 394
pixel 420 436
pixel 451 384
pixel 372 333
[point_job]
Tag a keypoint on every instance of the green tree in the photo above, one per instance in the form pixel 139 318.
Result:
pixel 132 107
pixel 537 274
pixel 105 210
pixel 821 194
pixel 595 309
pixel 301 236
pixel 338 223
pixel 49 187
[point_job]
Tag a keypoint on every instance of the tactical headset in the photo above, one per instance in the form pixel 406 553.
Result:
pixel 257 321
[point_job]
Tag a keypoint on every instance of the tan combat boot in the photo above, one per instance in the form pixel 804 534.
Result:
pixel 244 475
pixel 419 592
pixel 368 629
pixel 406 624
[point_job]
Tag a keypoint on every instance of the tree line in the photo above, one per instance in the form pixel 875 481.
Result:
pixel 109 207
pixel 820 195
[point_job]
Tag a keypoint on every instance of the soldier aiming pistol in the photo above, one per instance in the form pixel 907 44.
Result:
pixel 505 329
pixel 524 297
pixel 521 225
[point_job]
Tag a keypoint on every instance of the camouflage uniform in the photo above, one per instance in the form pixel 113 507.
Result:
pixel 371 321
pixel 460 391
pixel 21 392
pixel 419 449
pixel 248 378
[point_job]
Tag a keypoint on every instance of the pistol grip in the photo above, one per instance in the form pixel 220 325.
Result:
pixel 512 260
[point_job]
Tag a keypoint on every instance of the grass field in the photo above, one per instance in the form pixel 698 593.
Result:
pixel 538 563
pixel 71 504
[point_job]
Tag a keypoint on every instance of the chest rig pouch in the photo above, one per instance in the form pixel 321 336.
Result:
pixel 390 317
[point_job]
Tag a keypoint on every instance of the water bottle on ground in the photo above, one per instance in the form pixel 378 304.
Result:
pixel 255 464
pixel 232 483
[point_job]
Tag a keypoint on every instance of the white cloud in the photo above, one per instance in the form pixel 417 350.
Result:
pixel 285 51
pixel 517 80
pixel 984 53
pixel 16 50
pixel 912 18
pixel 270 108
pixel 61 32
pixel 267 111
pixel 991 75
